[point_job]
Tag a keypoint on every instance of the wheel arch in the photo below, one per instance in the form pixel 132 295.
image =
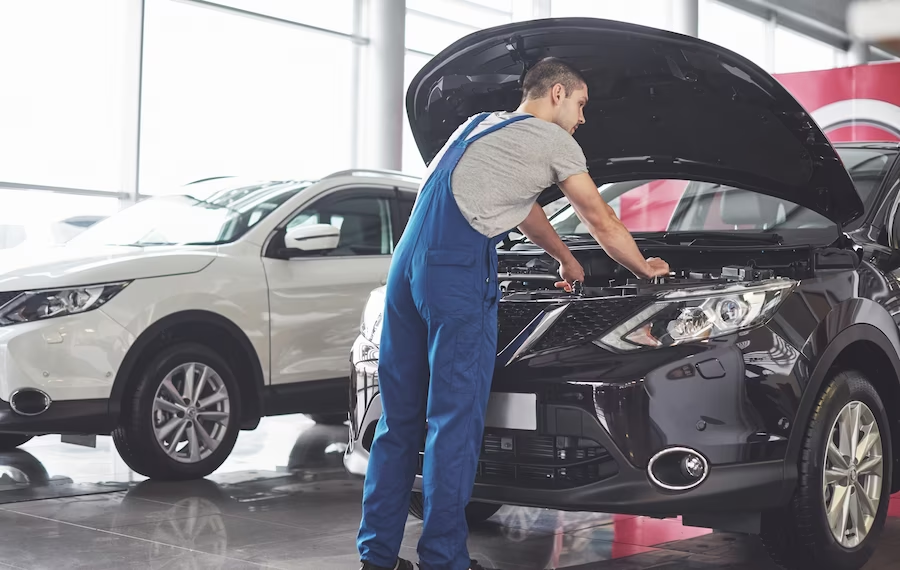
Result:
pixel 866 348
pixel 207 328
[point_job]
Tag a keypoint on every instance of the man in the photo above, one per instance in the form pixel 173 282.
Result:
pixel 438 340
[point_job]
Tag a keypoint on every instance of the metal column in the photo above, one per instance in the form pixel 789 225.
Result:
pixel 686 17
pixel 382 97
pixel 858 54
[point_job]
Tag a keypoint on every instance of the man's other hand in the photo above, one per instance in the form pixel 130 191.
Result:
pixel 571 272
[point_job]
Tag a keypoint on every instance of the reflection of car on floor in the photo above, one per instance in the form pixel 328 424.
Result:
pixel 756 388
pixel 183 319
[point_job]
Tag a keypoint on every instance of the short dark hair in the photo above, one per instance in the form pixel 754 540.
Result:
pixel 548 72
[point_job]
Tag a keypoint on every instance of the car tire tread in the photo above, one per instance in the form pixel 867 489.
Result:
pixel 794 537
pixel 134 438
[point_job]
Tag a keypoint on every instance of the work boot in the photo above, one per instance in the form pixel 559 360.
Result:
pixel 400 565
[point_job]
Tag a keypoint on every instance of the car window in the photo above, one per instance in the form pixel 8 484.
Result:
pixel 683 205
pixel 364 223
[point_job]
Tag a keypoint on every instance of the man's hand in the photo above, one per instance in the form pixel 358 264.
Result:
pixel 606 227
pixel 658 267
pixel 570 272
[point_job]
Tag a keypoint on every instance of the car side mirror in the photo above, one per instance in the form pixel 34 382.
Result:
pixel 314 237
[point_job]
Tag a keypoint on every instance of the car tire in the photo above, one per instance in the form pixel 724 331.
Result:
pixel 329 419
pixel 147 434
pixel 800 537
pixel 9 441
pixel 476 513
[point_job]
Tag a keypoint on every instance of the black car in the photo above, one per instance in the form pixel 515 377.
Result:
pixel 753 390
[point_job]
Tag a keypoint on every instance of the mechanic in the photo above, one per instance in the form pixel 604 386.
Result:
pixel 438 340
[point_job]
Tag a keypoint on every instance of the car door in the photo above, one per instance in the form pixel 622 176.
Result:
pixel 316 299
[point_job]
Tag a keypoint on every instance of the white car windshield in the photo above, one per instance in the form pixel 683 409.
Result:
pixel 190 219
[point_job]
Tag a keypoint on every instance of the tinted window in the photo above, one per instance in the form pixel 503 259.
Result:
pixel 364 222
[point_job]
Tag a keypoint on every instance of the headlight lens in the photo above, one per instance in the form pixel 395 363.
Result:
pixel 689 316
pixel 370 324
pixel 39 305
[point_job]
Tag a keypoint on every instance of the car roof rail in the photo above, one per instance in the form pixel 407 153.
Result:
pixel 371 172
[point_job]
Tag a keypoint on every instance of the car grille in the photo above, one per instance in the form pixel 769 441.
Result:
pixel 585 321
pixel 7 297
pixel 512 317
pixel 540 461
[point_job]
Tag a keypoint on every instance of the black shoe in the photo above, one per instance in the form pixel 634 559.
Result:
pixel 400 565
pixel 474 565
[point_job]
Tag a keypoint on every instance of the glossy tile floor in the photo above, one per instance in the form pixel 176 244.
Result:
pixel 282 500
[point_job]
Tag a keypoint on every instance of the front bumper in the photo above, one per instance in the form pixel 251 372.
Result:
pixel 72 417
pixel 69 358
pixel 600 417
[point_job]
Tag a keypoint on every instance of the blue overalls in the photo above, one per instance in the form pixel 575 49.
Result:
pixel 437 354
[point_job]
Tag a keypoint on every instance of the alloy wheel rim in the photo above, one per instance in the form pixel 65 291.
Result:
pixel 853 474
pixel 191 412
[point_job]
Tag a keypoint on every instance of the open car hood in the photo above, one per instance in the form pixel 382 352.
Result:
pixel 662 105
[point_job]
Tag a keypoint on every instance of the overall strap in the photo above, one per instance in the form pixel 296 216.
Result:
pixel 471 127
pixel 493 128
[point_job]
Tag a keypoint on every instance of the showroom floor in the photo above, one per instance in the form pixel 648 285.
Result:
pixel 282 500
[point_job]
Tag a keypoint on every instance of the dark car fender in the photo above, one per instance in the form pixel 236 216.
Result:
pixel 855 320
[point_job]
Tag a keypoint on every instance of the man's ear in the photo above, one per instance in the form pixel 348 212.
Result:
pixel 557 93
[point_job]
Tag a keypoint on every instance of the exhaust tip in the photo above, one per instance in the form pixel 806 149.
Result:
pixel 678 469
pixel 29 402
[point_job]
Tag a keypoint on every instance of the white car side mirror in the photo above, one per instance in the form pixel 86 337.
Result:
pixel 314 237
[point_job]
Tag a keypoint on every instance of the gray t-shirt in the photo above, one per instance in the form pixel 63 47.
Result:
pixel 499 177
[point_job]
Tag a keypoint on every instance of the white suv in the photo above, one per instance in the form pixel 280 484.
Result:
pixel 183 319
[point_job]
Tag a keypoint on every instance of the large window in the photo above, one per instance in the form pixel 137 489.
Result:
pixel 735 30
pixel 32 218
pixel 333 15
pixel 226 94
pixel 795 52
pixel 64 98
pixel 653 13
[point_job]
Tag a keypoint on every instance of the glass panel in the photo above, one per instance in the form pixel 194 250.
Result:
pixel 795 52
pixel 65 70
pixel 364 222
pixel 332 15
pixel 463 12
pixel 432 35
pixel 733 29
pixel 653 13
pixel 231 95
pixel 412 159
pixel 34 218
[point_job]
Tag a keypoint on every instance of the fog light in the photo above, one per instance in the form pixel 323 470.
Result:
pixel 677 469
pixel 692 467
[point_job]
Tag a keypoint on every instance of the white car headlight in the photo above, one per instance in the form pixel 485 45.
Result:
pixel 38 305
pixel 694 315
pixel 370 324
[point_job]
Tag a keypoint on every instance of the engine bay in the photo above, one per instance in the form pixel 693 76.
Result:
pixel 534 278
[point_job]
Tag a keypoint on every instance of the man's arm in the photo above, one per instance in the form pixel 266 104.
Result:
pixel 606 227
pixel 537 228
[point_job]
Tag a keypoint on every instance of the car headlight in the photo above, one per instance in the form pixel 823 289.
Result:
pixel 695 315
pixel 370 324
pixel 47 304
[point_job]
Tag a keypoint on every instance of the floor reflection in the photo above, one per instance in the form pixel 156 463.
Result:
pixel 283 500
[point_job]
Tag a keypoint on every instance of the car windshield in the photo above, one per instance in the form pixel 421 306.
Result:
pixel 201 217
pixel 691 206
